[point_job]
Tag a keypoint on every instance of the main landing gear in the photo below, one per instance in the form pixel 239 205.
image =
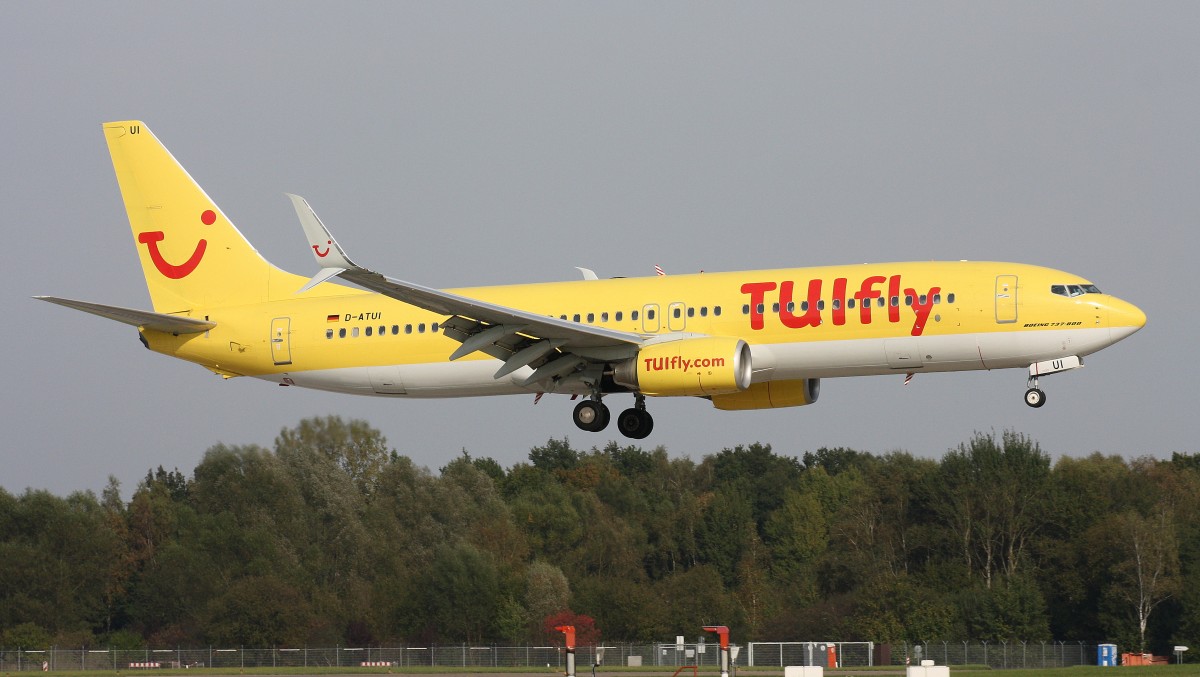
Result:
pixel 593 416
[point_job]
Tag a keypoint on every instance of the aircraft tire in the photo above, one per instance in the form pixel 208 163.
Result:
pixel 635 423
pixel 1035 398
pixel 591 415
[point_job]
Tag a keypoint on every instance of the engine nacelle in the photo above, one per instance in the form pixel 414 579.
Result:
pixel 771 395
pixel 694 366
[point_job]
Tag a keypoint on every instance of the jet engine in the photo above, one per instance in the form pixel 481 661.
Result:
pixel 692 366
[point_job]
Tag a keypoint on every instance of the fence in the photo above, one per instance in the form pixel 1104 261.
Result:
pixel 754 654
pixel 1001 654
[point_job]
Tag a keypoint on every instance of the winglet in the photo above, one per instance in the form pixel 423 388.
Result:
pixel 328 253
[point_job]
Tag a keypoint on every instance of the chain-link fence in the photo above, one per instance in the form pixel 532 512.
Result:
pixel 824 654
pixel 999 654
pixel 756 654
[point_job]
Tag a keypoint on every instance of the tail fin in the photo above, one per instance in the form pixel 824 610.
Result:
pixel 191 254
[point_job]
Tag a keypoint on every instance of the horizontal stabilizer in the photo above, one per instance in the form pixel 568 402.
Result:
pixel 143 319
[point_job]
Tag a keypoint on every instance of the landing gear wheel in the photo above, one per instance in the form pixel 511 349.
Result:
pixel 635 423
pixel 1035 397
pixel 591 415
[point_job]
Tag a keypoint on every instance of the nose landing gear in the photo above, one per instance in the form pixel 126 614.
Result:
pixel 1034 397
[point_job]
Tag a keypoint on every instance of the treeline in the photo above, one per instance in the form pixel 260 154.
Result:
pixel 331 537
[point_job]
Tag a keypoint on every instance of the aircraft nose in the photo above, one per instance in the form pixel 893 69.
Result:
pixel 1124 319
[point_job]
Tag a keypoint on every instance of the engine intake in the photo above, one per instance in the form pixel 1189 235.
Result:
pixel 696 366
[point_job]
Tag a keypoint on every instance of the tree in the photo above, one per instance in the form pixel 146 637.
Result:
pixel 547 590
pixel 457 597
pixel 764 476
pixel 1146 573
pixel 259 611
pixel 359 450
pixel 725 529
pixel 556 455
pixel 993 498
pixel 586 632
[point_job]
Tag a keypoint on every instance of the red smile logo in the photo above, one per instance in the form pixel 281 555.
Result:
pixel 176 272
pixel 317 249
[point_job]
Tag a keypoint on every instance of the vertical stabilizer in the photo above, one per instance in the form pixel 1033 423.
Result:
pixel 191 254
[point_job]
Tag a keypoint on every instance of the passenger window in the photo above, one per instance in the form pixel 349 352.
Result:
pixel 328 333
pixel 342 333
pixel 746 309
pixel 604 317
pixel 421 328
pixel 717 311
pixel 408 329
pixel 369 331
pixel 937 298
pixel 804 306
pixel 395 329
pixel 821 304
pixel 703 311
pixel 850 303
pixel 433 327
pixel 575 317
pixel 633 315
pixel 650 314
pixel 878 302
pixel 774 307
pixel 591 318
pixel 837 304
pixel 908 300
pixel 354 332
pixel 895 301
pixel 691 312
pixel 761 309
pixel 678 313
pixel 619 316
pixel 791 306
pixel 382 330
pixel 950 298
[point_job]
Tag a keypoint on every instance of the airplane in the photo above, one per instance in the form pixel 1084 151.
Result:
pixel 743 340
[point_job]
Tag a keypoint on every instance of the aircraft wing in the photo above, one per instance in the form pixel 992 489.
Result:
pixel 142 319
pixel 551 346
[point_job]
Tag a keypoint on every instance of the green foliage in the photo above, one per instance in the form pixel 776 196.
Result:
pixel 457 596
pixel 555 455
pixel 26 636
pixel 331 537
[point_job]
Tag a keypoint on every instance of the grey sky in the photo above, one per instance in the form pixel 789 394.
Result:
pixel 477 143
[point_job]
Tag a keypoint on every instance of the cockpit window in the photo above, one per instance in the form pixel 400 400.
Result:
pixel 1074 289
